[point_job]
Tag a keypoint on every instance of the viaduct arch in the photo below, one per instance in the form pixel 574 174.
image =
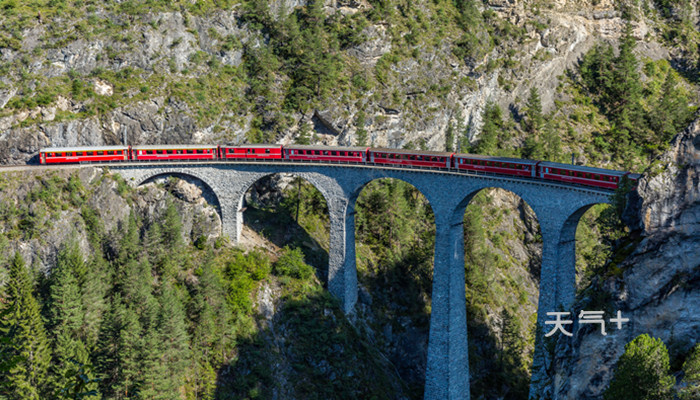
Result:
pixel 558 209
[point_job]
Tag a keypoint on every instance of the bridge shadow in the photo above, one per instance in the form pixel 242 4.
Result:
pixel 502 253
pixel 307 350
pixel 400 298
pixel 290 211
pixel 395 245
pixel 279 227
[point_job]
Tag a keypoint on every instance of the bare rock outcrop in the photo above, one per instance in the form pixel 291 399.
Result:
pixel 658 290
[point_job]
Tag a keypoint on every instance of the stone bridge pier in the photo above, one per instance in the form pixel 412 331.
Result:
pixel 558 209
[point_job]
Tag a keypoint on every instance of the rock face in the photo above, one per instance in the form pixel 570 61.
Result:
pixel 420 98
pixel 658 291
pixel 56 217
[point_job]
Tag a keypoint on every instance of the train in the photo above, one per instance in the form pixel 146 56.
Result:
pixel 449 161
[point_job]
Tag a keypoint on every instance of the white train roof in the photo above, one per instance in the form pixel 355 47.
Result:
pixel 411 152
pixel 325 148
pixel 173 146
pixel 581 168
pixel 499 159
pixel 84 148
pixel 248 146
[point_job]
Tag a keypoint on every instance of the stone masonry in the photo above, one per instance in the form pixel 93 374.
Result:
pixel 558 209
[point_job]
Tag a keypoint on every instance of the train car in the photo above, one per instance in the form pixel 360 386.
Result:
pixel 251 151
pixel 416 158
pixel 589 176
pixel 63 155
pixel 174 152
pixel 325 153
pixel 498 165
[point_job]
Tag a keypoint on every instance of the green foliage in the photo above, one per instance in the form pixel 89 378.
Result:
pixel 533 112
pixel 492 131
pixel 81 383
pixel 449 138
pixel 27 339
pixel 642 372
pixel 243 270
pixel 304 135
pixel 67 316
pixel 361 133
pixel 291 263
pixel 476 41
pixel 171 227
pixel 638 126
pixel 691 380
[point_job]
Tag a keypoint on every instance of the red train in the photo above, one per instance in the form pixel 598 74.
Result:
pixel 551 171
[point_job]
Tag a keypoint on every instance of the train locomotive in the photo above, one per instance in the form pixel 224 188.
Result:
pixel 470 163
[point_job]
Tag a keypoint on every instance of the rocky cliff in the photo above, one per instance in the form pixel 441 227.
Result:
pixel 657 288
pixel 404 74
pixel 42 211
pixel 175 74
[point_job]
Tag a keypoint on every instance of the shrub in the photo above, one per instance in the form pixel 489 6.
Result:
pixel 291 263
pixel 642 372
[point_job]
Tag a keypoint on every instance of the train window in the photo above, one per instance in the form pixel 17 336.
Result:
pixel 318 152
pixel 267 151
pixel 100 153
pixel 597 177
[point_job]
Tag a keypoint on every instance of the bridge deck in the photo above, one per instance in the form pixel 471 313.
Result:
pixel 474 174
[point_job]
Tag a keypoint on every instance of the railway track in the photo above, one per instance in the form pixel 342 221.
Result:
pixel 474 174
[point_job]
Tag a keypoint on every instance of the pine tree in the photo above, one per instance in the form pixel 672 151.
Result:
pixel 691 380
pixel 552 143
pixel 171 227
pixel 119 360
pixel 93 294
pixel 304 135
pixel 66 319
pixel 491 130
pixel 212 316
pixel 153 242
pixel 449 138
pixel 129 246
pixel 25 330
pixel 671 114
pixel 642 372
pixel 361 139
pixel 166 355
pixel 534 118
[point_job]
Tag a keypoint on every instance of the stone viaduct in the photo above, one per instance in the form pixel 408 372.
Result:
pixel 558 208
